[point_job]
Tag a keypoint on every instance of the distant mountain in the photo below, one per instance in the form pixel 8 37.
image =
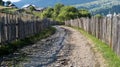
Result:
pixel 46 3
pixel 94 6
pixel 101 6
pixel 105 11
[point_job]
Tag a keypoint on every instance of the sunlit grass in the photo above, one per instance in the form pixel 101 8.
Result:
pixel 111 58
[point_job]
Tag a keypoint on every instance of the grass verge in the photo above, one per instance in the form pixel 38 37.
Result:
pixel 15 45
pixel 111 58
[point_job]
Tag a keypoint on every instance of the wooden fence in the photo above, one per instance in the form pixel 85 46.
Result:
pixel 14 27
pixel 106 29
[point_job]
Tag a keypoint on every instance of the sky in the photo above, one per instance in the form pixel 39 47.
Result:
pixel 12 0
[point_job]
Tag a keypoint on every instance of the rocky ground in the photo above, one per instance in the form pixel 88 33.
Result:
pixel 66 48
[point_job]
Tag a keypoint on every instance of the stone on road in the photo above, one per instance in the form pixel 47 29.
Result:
pixel 66 48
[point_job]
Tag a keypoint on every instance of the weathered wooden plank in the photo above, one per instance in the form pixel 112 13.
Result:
pixel 109 32
pixel 118 43
pixel 16 27
pixel 97 21
pixel 6 28
pixel 114 33
pixel 104 29
pixel 1 29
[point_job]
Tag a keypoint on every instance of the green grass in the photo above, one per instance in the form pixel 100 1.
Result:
pixel 3 7
pixel 6 49
pixel 111 58
pixel 8 10
pixel 37 14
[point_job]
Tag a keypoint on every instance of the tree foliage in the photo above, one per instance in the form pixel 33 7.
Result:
pixel 47 13
pixel 1 2
pixel 61 13
pixel 84 13
pixel 67 13
pixel 32 8
pixel 98 15
pixel 57 9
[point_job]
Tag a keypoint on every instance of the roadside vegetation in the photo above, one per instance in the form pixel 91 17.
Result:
pixel 7 7
pixel 98 16
pixel 61 13
pixel 6 49
pixel 9 10
pixel 111 58
pixel 58 13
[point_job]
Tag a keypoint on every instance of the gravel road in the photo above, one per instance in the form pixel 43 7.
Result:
pixel 66 48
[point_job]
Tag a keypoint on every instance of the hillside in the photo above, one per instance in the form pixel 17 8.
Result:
pixel 101 6
pixel 105 11
pixel 94 6
pixel 46 3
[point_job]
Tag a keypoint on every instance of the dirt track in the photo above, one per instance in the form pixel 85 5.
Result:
pixel 66 48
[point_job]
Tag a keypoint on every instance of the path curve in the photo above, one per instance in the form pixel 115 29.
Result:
pixel 66 48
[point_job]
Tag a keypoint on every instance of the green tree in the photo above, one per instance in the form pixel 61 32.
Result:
pixel 1 3
pixel 32 8
pixel 62 13
pixel 84 13
pixel 57 9
pixel 47 13
pixel 98 15
pixel 67 13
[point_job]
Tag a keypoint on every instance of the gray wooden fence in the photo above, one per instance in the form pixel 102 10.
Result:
pixel 14 27
pixel 106 29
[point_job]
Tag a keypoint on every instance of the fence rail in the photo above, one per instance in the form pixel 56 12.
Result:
pixel 14 27
pixel 106 29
